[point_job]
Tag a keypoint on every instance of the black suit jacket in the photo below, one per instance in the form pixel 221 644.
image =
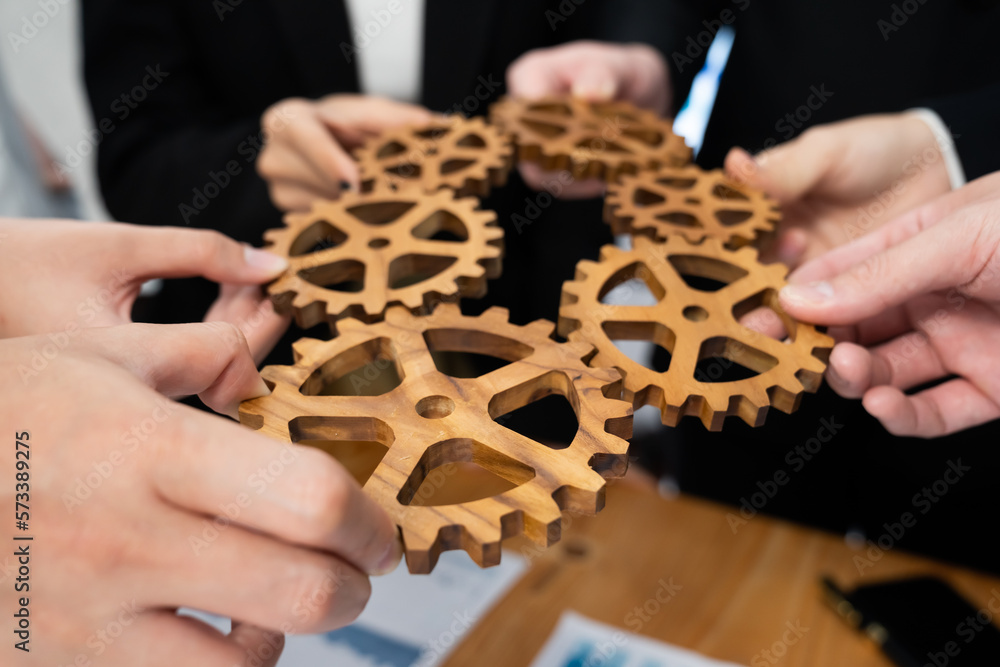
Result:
pixel 185 153
pixel 225 70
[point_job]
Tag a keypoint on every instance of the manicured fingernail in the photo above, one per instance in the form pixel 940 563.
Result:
pixel 813 294
pixel 391 559
pixel 264 260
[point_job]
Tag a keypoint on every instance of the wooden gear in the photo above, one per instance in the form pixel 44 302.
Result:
pixel 694 325
pixel 357 255
pixel 431 419
pixel 589 139
pixel 691 202
pixel 465 155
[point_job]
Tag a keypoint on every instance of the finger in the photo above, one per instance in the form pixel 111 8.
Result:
pixel 533 77
pixel 941 410
pixel 279 163
pixel 313 140
pixel 294 197
pixel 164 639
pixel 253 312
pixel 788 171
pixel 300 494
pixel 262 647
pixel 596 81
pixel 216 565
pixel 209 359
pixel 946 255
pixel 172 252
pixel 903 363
pixel 371 116
pixel 557 184
pixel 791 247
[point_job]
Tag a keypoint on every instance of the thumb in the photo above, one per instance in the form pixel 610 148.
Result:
pixel 945 255
pixel 596 82
pixel 172 252
pixel 787 172
pixel 210 359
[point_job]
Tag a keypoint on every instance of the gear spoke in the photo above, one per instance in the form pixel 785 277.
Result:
pixel 435 420
pixel 688 319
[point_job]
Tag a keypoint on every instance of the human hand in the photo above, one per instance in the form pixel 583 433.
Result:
pixel 840 181
pixel 914 302
pixel 307 154
pixel 595 71
pixel 140 506
pixel 61 276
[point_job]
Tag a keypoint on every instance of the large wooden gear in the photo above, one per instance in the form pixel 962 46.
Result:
pixel 695 325
pixel 693 203
pixel 589 139
pixel 430 419
pixel 355 256
pixel 467 156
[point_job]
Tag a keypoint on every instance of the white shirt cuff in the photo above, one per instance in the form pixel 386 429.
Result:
pixel 946 144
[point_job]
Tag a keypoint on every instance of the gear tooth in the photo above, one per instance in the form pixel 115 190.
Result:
pixel 410 299
pixel 349 324
pixel 496 314
pixel 398 315
pixel 305 347
pixel 540 329
pixel 446 310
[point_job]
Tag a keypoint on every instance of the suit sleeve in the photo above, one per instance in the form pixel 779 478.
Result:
pixel 170 152
pixel 971 118
pixel 680 30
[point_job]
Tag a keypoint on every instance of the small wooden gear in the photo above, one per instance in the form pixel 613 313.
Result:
pixel 357 255
pixel 464 155
pixel 695 325
pixel 691 202
pixel 589 139
pixel 430 419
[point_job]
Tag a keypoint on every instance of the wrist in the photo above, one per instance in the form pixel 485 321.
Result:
pixel 943 143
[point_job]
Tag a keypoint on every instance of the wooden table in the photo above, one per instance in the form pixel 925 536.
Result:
pixel 739 593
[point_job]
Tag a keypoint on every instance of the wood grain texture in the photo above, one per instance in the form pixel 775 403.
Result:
pixel 589 139
pixel 692 203
pixel 695 325
pixel 356 256
pixel 467 156
pixel 432 419
pixel 738 591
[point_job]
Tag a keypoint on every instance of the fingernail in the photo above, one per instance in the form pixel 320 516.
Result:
pixel 264 260
pixel 813 294
pixel 604 90
pixel 260 390
pixel 390 561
